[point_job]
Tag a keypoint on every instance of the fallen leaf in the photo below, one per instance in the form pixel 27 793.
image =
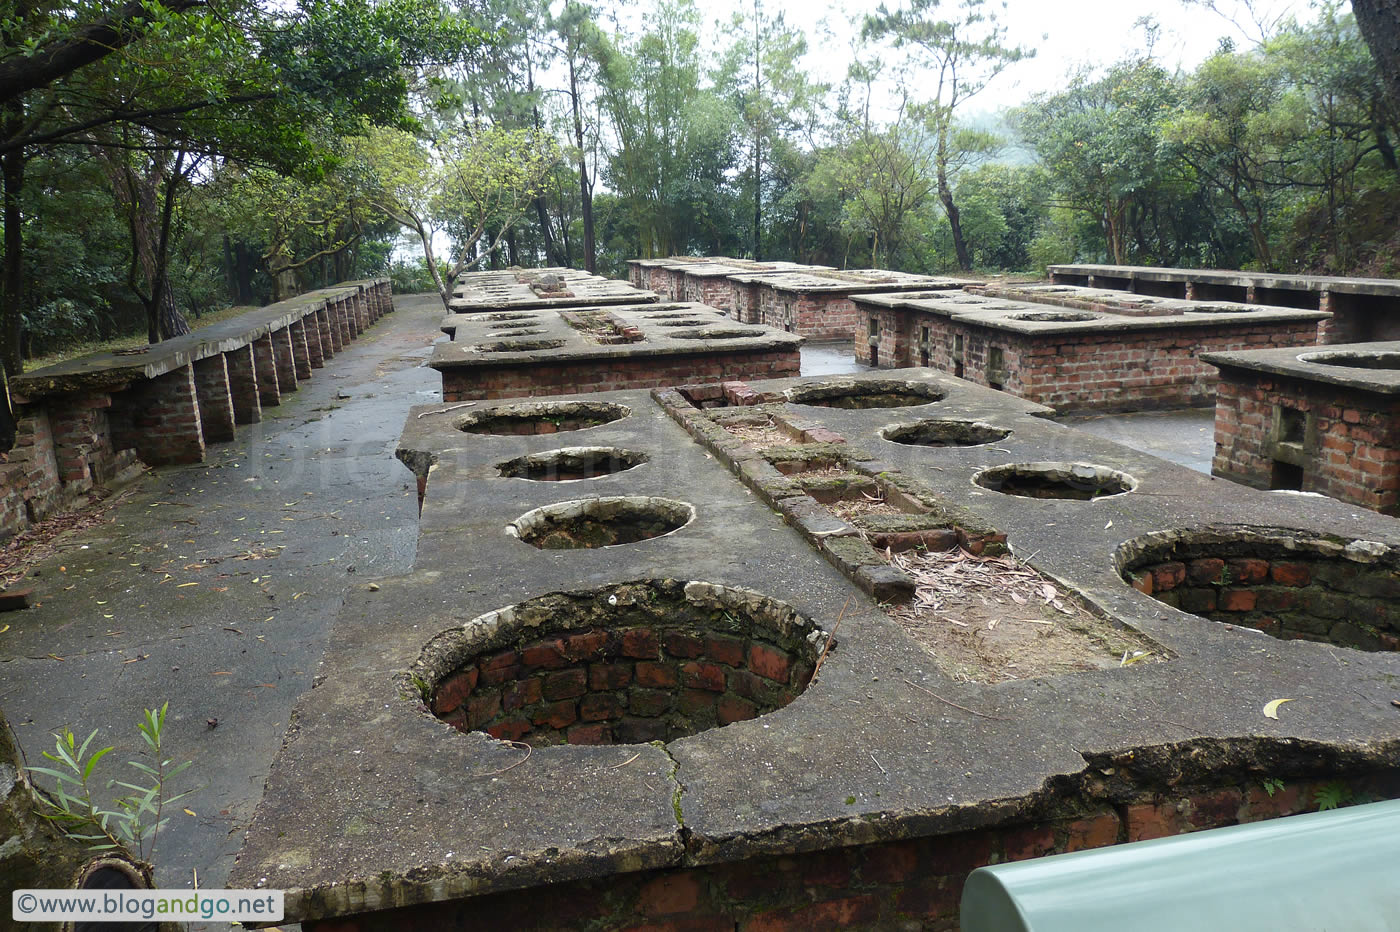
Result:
pixel 184 585
pixel 1271 709
pixel 4 629
pixel 1049 592
pixel 1018 598
pixel 189 812
pixel 221 673
pixel 1108 525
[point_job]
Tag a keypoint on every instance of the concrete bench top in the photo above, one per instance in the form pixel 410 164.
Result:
pixel 114 370
pixel 1028 317
pixel 1347 284
pixel 848 281
pixel 1374 367
pixel 485 291
pixel 372 802
pixel 507 338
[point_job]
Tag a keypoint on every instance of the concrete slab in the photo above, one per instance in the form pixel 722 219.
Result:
pixel 374 803
pixel 523 289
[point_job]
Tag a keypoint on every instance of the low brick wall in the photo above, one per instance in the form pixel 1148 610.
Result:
pixel 907 883
pixel 1339 442
pixel 1104 369
pixel 821 317
pixel 604 375
pixel 87 422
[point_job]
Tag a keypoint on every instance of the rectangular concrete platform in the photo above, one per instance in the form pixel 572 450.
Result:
pixel 514 352
pixel 1069 359
pixel 1363 309
pixel 863 801
pixel 527 289
pixel 1324 421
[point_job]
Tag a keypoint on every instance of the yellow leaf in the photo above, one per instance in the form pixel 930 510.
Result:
pixel 4 629
pixel 1271 709
pixel 189 812
pixel 184 584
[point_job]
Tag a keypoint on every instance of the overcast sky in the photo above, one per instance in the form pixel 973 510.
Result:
pixel 1064 33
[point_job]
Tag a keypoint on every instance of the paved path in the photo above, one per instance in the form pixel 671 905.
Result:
pixel 215 585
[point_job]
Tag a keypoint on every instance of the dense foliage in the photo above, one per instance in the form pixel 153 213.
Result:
pixel 163 158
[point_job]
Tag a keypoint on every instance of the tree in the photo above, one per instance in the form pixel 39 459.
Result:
pixel 963 54
pixel 1380 25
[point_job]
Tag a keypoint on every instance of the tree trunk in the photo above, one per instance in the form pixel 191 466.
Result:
pixel 945 194
pixel 11 288
pixel 585 187
pixel 1379 21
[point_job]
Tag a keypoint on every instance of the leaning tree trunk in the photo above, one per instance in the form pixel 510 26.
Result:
pixel 36 855
pixel 1379 21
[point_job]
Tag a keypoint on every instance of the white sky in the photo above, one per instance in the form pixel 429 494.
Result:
pixel 1064 34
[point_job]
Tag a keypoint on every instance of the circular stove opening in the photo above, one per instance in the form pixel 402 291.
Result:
pixel 543 417
pixel 713 334
pixel 1291 584
pixel 520 346
pixel 648 660
pixel 945 433
pixel 1222 309
pixel 511 317
pixel 870 393
pixel 572 463
pixel 1056 317
pixel 1354 360
pixel 1073 481
pixel 590 523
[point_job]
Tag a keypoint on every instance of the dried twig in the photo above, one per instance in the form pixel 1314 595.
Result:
pixel 465 404
pixel 830 638
pixel 626 762
pixel 518 745
pixel 999 718
pixel 877 764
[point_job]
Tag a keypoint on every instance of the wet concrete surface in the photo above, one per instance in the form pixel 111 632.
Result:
pixel 830 359
pixel 214 586
pixel 1185 437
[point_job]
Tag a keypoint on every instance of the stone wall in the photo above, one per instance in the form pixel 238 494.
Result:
pixel 1276 432
pixel 1104 369
pixel 906 883
pixel 565 378
pixel 90 422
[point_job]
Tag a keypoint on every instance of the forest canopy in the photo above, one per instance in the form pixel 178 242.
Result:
pixel 165 158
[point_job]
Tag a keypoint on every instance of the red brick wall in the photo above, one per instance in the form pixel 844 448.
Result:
pixel 30 477
pixel 1091 370
pixel 819 317
pixel 160 419
pixel 1355 456
pixel 915 883
pixel 215 398
pixel 614 374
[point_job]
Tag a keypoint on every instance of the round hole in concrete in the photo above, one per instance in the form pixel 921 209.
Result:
pixel 590 523
pixel 1221 309
pixel 714 334
pixel 511 317
pixel 667 316
pixel 571 463
pixel 867 393
pixel 541 417
pixel 945 433
pixel 1074 481
pixel 647 660
pixel 514 333
pixel 1294 585
pixel 1055 317
pixel 520 346
pixel 1354 360
pixel 688 322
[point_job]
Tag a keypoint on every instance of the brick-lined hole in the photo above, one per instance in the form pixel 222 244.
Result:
pixel 1354 360
pixel 570 463
pixel 1290 584
pixel 1223 309
pixel 1053 316
pixel 685 322
pixel 651 660
pixel 945 433
pixel 542 417
pixel 687 315
pixel 512 317
pixel 869 393
pixel 600 522
pixel 1075 481
pixel 519 346
pixel 515 333
pixel 715 334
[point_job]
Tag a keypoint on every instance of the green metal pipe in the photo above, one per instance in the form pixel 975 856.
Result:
pixel 1337 871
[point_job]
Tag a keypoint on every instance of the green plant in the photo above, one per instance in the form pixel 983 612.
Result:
pixel 134 822
pixel 1332 795
pixel 1271 785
